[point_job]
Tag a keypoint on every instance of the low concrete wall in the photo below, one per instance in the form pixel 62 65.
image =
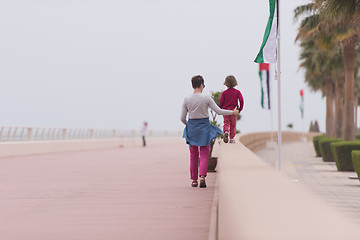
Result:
pixel 257 203
pixel 257 141
pixel 10 149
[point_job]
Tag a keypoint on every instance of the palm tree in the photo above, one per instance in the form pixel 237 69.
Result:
pixel 339 109
pixel 318 55
pixel 357 95
pixel 349 63
pixel 337 65
pixel 346 16
pixel 318 76
pixel 339 21
pixel 350 9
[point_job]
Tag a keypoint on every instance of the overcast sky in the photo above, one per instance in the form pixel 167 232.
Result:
pixel 116 63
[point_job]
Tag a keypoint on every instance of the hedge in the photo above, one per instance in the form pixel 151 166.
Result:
pixel 357 136
pixel 342 154
pixel 325 149
pixel 316 140
pixel 356 162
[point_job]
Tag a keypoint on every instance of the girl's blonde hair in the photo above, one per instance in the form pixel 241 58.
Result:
pixel 230 81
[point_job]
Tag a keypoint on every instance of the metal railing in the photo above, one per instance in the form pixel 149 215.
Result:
pixel 25 133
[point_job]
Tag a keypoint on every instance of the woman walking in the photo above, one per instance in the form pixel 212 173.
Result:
pixel 199 131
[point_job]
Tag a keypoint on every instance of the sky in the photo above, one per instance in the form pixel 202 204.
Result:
pixel 117 63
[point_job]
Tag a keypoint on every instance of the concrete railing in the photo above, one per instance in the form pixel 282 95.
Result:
pixel 18 141
pixel 258 140
pixel 254 201
pixel 32 133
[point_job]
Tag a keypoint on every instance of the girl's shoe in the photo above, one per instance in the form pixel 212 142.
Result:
pixel 202 182
pixel 232 140
pixel 226 137
pixel 194 183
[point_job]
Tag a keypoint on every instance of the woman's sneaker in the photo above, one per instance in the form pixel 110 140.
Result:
pixel 226 137
pixel 232 140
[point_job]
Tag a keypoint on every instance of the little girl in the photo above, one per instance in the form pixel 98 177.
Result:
pixel 199 131
pixel 230 99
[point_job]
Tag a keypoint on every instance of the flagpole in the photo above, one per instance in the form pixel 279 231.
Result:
pixel 270 53
pixel 279 86
pixel 271 116
pixel 271 112
pixel 271 126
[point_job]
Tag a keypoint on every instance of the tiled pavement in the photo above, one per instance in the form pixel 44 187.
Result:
pixel 114 194
pixel 300 165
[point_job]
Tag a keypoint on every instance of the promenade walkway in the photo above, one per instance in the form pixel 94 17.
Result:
pixel 123 193
pixel 300 165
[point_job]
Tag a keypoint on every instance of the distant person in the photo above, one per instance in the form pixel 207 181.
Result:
pixel 199 131
pixel 144 133
pixel 230 99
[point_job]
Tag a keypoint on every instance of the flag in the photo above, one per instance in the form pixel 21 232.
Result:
pixel 302 103
pixel 268 50
pixel 265 85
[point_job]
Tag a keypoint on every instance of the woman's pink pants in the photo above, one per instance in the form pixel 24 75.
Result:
pixel 194 161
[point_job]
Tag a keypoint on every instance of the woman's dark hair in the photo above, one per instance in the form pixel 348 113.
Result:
pixel 196 81
pixel 230 81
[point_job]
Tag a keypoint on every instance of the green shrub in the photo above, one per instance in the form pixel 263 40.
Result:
pixel 357 136
pixel 325 149
pixel 316 140
pixel 342 154
pixel 356 162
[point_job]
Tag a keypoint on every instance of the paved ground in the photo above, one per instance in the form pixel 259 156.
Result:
pixel 301 165
pixel 124 193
